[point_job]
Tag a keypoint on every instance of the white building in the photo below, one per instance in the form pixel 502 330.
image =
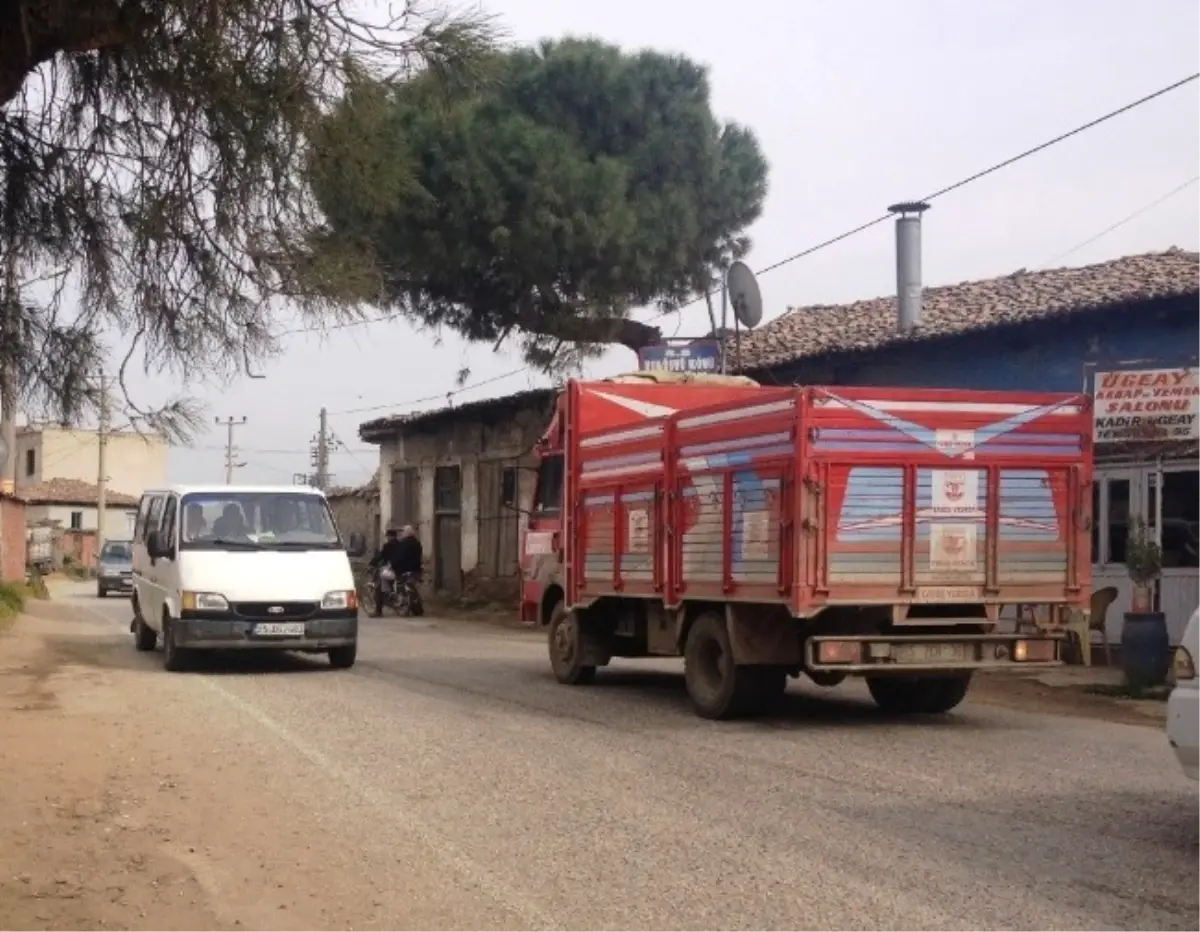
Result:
pixel 134 462
pixel 71 503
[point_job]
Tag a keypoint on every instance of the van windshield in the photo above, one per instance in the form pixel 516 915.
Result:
pixel 236 520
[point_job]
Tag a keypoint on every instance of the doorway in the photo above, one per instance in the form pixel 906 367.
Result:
pixel 447 529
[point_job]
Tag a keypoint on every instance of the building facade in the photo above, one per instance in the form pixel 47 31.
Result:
pixel 70 505
pixel 134 462
pixel 1134 319
pixel 461 477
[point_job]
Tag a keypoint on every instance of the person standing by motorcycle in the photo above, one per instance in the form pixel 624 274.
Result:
pixel 402 552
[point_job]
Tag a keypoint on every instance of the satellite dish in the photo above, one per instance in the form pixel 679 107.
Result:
pixel 744 295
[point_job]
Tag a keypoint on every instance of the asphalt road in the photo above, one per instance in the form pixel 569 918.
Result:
pixel 450 752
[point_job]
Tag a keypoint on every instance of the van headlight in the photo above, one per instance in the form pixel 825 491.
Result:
pixel 204 602
pixel 339 599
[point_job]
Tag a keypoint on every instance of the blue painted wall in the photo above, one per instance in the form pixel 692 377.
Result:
pixel 1048 355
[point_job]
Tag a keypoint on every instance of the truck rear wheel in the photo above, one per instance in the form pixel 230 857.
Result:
pixel 566 648
pixel 918 695
pixel 717 686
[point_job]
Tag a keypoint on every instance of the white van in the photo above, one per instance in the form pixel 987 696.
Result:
pixel 242 567
pixel 1183 706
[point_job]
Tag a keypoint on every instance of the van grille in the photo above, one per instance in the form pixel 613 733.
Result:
pixel 264 609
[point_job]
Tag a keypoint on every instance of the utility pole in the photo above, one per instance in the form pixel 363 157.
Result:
pixel 101 466
pixel 322 444
pixel 9 307
pixel 230 423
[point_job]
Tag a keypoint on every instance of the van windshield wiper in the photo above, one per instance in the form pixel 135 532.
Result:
pixel 306 545
pixel 242 544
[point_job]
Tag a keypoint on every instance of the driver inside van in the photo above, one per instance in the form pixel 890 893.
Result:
pixel 194 524
pixel 231 525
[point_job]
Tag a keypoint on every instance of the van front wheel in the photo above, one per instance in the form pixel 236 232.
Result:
pixel 174 656
pixel 145 638
pixel 342 658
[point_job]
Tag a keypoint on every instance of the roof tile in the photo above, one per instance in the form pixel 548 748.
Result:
pixel 71 492
pixel 949 310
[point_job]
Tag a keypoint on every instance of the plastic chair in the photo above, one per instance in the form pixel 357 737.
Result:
pixel 1083 625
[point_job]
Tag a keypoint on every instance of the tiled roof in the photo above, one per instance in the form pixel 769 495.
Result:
pixel 71 492
pixel 949 310
pixel 379 429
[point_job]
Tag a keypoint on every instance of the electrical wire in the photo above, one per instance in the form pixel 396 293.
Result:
pixel 1041 147
pixel 1145 208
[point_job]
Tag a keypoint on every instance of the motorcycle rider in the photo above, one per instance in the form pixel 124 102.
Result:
pixel 402 552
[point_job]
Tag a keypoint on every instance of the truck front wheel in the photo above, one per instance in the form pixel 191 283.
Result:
pixel 717 686
pixel 567 648
pixel 918 695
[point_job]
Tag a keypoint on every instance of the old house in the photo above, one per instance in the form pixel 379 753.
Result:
pixel 460 476
pixel 71 505
pixel 1133 319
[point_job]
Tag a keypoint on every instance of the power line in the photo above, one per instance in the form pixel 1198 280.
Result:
pixel 1041 147
pixel 1145 208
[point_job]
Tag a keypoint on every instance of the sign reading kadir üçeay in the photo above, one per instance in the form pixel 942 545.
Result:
pixel 1146 404
pixel 695 357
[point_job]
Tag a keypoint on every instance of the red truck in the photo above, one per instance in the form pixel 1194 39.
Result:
pixel 763 532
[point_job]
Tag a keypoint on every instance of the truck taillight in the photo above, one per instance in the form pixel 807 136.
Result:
pixel 839 652
pixel 1039 651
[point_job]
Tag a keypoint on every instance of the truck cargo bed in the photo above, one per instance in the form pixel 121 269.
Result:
pixel 823 496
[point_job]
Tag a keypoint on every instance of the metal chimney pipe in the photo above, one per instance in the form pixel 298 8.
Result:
pixel 908 262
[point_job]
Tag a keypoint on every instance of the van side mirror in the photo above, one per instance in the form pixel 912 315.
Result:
pixel 356 546
pixel 157 547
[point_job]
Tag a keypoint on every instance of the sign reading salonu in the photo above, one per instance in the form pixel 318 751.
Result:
pixel 1145 404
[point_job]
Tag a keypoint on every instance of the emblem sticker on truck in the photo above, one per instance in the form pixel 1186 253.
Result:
pixel 955 492
pixel 953 548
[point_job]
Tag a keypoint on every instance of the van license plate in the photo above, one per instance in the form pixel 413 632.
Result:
pixel 279 629
pixel 932 653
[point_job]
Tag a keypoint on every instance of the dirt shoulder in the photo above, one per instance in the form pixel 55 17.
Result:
pixel 140 800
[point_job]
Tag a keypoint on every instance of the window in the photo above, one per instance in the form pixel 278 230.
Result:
pixel 30 462
pixel 139 525
pixel 1180 519
pixel 153 515
pixel 237 520
pixel 447 489
pixel 168 522
pixel 508 487
pixel 76 520
pixel 550 485
pixel 1118 519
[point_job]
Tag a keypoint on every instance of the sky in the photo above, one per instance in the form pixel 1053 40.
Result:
pixel 858 104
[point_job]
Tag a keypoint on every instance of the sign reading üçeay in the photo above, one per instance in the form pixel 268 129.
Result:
pixel 1147 404
pixel 695 357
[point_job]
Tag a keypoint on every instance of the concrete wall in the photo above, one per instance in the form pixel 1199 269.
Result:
pixel 134 463
pixel 357 513
pixel 12 539
pixel 117 526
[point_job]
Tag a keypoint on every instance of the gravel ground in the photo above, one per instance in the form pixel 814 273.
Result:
pixel 447 781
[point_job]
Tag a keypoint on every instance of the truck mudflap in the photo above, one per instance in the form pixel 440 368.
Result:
pixel 929 653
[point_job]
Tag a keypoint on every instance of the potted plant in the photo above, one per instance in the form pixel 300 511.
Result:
pixel 1145 646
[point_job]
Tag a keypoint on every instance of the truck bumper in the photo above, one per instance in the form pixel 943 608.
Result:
pixel 931 653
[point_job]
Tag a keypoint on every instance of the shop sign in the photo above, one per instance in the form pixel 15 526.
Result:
pixel 1146 404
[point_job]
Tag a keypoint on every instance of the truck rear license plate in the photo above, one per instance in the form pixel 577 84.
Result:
pixel 279 629
pixel 932 653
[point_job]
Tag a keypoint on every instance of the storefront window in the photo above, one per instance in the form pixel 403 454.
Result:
pixel 1118 519
pixel 1181 519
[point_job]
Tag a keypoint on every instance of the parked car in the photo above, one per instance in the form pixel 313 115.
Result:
pixel 1183 720
pixel 115 570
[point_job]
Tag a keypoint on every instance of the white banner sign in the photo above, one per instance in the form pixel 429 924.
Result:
pixel 1147 404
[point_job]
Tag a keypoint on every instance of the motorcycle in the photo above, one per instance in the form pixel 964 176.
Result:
pixel 401 595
